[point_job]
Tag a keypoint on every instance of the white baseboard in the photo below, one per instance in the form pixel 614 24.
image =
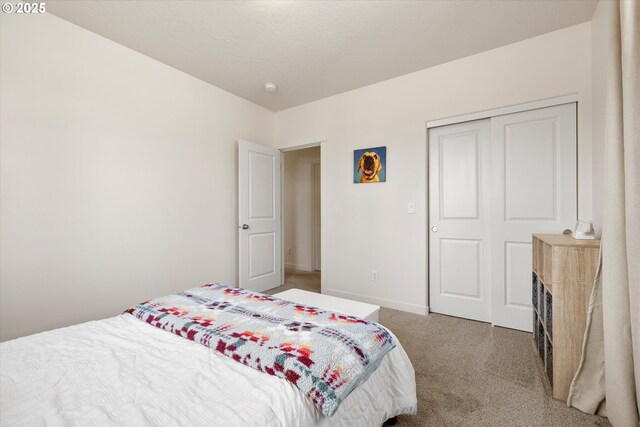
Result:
pixel 397 305
pixel 302 267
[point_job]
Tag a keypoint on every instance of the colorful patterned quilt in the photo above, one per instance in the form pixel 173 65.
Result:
pixel 323 353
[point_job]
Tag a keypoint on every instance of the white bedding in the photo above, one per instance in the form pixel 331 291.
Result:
pixel 121 371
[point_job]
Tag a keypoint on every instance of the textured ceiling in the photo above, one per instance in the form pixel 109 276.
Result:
pixel 315 49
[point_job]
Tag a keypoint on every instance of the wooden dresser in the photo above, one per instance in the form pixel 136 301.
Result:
pixel 563 273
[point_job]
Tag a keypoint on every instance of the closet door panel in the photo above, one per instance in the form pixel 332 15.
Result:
pixel 458 165
pixel 529 162
pixel 533 190
pixel 459 221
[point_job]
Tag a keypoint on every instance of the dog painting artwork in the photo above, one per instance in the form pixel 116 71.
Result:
pixel 370 165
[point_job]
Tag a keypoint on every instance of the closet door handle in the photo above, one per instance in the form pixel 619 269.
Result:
pixel 434 229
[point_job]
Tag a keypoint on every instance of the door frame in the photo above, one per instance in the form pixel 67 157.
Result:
pixel 487 114
pixel 322 143
pixel 517 108
pixel 314 215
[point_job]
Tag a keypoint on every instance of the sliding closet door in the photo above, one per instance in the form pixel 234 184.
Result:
pixel 534 190
pixel 493 183
pixel 459 220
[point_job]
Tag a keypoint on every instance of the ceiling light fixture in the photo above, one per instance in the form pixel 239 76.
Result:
pixel 270 87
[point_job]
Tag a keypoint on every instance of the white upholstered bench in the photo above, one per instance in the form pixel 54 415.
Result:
pixel 341 305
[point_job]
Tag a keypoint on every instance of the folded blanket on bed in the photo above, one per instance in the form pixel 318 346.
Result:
pixel 323 353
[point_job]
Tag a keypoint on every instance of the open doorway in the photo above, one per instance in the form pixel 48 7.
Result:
pixel 301 218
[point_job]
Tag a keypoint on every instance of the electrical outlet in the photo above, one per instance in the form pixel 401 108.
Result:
pixel 288 251
pixel 337 209
pixel 374 276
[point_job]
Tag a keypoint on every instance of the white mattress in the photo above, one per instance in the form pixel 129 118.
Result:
pixel 123 371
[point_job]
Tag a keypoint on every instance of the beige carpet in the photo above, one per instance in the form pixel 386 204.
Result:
pixel 469 373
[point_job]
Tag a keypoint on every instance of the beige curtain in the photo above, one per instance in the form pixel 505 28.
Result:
pixel 609 372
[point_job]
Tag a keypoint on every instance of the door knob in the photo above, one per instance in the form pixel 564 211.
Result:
pixel 434 229
pixel 245 226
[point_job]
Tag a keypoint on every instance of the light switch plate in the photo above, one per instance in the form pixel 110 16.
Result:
pixel 337 209
pixel 411 208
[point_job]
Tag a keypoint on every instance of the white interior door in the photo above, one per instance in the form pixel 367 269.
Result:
pixel 316 216
pixel 259 209
pixel 459 220
pixel 534 190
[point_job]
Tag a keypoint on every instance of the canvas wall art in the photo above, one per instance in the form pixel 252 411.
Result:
pixel 370 165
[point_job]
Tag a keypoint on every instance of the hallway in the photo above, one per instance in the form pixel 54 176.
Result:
pixel 305 280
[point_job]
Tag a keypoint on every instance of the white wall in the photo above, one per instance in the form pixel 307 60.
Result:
pixel 297 207
pixel 600 25
pixel 117 176
pixel 374 231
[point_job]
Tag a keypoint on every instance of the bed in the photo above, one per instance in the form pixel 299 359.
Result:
pixel 122 371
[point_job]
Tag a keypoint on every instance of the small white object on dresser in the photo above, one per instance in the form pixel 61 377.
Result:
pixel 341 305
